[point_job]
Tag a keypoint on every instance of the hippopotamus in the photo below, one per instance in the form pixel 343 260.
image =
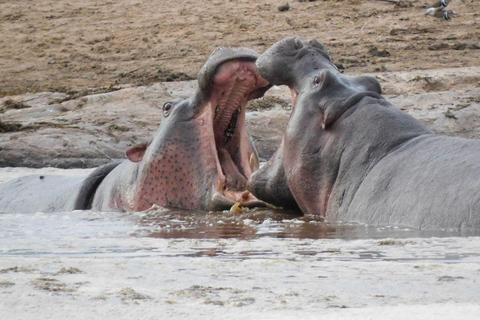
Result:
pixel 199 159
pixel 349 155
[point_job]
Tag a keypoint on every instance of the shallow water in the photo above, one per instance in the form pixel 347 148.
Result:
pixel 274 223
pixel 181 224
pixel 26 234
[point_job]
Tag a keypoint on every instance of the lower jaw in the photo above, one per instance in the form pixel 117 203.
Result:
pixel 221 202
pixel 225 198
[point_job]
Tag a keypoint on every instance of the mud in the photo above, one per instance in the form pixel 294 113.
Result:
pixel 67 131
pixel 63 46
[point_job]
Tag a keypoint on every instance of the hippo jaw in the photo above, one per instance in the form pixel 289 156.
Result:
pixel 234 84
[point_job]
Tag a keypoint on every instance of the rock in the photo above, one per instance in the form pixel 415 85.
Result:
pixel 284 7
pixel 87 131
pixel 449 114
pixel 267 128
pixel 440 46
pixel 130 294
pixel 460 46
pixel 378 53
pixel 403 4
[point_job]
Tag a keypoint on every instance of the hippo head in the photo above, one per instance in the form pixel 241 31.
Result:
pixel 321 95
pixel 292 62
pixel 202 154
pixel 289 60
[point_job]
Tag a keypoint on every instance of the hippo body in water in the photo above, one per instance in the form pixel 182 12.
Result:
pixel 199 159
pixel 349 155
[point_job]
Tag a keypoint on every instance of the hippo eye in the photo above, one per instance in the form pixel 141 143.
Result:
pixel 166 108
pixel 316 80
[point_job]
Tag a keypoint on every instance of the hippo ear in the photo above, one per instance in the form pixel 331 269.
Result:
pixel 369 83
pixel 135 153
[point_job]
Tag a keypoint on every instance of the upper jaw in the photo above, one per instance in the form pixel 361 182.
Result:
pixel 235 83
pixel 218 57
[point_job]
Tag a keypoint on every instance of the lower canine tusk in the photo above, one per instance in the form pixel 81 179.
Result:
pixel 254 162
pixel 221 186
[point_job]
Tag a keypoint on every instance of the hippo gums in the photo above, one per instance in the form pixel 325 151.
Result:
pixel 200 157
pixel 349 155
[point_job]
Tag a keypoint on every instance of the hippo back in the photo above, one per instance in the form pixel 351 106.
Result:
pixel 87 190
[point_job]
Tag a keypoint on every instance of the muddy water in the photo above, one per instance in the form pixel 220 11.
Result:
pixel 274 223
pixel 25 231
pixel 180 224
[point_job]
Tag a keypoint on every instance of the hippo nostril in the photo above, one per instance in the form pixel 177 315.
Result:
pixel 298 44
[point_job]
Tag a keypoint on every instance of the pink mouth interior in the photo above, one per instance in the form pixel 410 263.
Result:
pixel 235 83
pixel 294 94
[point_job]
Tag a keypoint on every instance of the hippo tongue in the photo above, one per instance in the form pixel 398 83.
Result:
pixel 233 178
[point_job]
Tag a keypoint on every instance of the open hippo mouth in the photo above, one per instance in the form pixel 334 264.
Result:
pixel 235 83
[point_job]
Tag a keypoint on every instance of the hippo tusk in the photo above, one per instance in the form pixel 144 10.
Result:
pixel 221 186
pixel 254 162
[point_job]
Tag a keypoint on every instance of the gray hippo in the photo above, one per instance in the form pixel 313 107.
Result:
pixel 200 157
pixel 349 155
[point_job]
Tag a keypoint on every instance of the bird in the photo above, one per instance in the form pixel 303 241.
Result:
pixel 437 6
pixel 440 4
pixel 440 13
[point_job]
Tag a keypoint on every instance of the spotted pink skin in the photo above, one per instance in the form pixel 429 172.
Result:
pixel 180 167
pixel 177 175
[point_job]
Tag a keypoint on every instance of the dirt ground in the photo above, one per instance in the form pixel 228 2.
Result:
pixel 58 45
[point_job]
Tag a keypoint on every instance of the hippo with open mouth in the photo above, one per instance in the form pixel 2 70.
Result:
pixel 349 155
pixel 199 159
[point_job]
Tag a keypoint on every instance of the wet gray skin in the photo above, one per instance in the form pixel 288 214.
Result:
pixel 199 159
pixel 349 155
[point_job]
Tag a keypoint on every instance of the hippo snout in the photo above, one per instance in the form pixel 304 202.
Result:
pixel 254 183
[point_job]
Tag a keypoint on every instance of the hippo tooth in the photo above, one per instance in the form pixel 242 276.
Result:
pixel 245 194
pixel 154 207
pixel 220 186
pixel 254 162
pixel 236 208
